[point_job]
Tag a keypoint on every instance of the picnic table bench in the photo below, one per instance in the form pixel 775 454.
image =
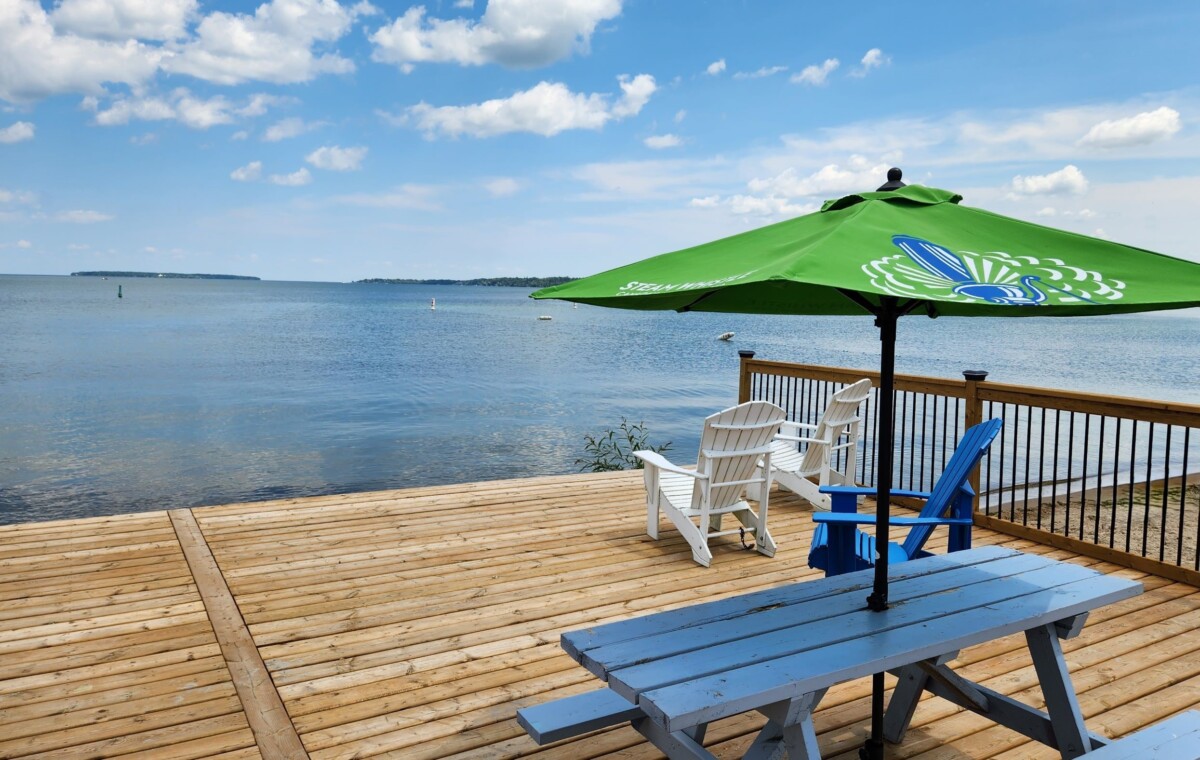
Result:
pixel 1176 738
pixel 777 651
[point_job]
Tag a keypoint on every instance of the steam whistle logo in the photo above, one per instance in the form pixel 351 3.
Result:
pixel 927 269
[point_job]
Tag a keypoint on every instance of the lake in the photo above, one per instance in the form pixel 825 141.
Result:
pixel 196 392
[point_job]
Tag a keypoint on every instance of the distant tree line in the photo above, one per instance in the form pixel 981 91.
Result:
pixel 165 275
pixel 505 282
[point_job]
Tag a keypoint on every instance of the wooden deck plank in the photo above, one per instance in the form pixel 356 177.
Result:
pixel 273 730
pixel 413 623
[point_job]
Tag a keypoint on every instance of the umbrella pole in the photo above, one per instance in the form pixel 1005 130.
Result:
pixel 885 320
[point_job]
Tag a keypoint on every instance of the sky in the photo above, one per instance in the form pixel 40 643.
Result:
pixel 326 141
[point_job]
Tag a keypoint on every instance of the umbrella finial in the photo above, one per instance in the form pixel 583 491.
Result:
pixel 893 180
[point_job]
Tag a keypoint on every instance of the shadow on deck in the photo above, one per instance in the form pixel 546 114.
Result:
pixel 414 623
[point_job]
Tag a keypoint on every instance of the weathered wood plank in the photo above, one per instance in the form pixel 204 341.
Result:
pixel 273 730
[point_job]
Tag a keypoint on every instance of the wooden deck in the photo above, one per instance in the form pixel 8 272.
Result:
pixel 413 624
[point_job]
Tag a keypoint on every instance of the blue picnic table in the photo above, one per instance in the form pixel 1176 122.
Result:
pixel 777 651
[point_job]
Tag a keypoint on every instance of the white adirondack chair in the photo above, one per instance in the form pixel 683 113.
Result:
pixel 837 430
pixel 733 443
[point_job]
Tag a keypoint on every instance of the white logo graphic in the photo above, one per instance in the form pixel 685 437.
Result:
pixel 927 269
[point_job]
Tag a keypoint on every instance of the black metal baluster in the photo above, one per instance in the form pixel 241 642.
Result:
pixel 1132 476
pixel 1146 511
pixel 987 510
pixel 1099 484
pixel 1166 488
pixel 1071 465
pixel 1087 443
pixel 898 473
pixel 1112 527
pixel 1054 482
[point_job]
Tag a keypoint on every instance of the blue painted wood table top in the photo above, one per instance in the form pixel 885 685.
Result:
pixel 689 666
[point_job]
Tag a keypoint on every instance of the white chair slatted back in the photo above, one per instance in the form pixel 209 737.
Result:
pixel 732 444
pixel 842 412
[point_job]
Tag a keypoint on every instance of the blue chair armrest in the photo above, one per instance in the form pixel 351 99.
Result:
pixel 854 518
pixel 865 491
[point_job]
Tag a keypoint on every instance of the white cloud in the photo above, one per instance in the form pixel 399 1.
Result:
pixel 680 115
pixel 636 93
pixel 273 45
pixel 407 196
pixel 464 4
pixel 143 139
pixel 251 172
pixel 873 59
pixel 36 61
pixel 716 67
pixel 831 179
pixel 502 187
pixel 336 158
pixel 545 109
pixel 753 205
pixel 295 179
pixel 1050 211
pixel 659 142
pixel 656 179
pixel 765 71
pixel 287 128
pixel 1067 180
pixel 816 75
pixel 258 104
pixel 16 196
pixel 18 132
pixel 514 33
pixel 124 19
pixel 241 134
pixel 80 216
pixel 1142 129
pixel 180 105
pixel 24 244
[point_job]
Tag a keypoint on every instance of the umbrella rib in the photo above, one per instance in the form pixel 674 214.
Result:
pixel 861 300
pixel 689 306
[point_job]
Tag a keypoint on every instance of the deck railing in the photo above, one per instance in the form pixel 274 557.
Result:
pixel 1112 477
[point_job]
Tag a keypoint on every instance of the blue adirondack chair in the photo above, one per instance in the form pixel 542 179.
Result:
pixel 840 547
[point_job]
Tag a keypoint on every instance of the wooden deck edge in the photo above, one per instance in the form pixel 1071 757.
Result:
pixel 269 721
pixel 1087 549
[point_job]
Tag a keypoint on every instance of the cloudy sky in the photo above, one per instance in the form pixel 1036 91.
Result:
pixel 318 140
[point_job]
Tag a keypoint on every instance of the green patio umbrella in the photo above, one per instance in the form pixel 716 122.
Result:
pixel 901 250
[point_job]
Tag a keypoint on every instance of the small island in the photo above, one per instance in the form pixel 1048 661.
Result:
pixel 501 282
pixel 166 275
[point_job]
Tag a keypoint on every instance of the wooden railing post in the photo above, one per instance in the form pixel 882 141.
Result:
pixel 974 415
pixel 744 357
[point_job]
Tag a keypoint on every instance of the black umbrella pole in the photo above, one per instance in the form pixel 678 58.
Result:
pixel 878 600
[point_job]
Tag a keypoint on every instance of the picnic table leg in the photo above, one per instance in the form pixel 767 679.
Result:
pixel 677 745
pixel 911 682
pixel 900 710
pixel 789 727
pixel 1061 705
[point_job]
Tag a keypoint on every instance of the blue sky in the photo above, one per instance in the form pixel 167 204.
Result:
pixel 312 140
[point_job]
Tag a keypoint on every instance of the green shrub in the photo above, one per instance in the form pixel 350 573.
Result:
pixel 613 449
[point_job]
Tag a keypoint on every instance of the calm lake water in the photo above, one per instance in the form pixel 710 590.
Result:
pixel 197 392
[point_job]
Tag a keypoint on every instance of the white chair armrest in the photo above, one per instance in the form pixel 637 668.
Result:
pixel 798 426
pixel 799 439
pixel 658 461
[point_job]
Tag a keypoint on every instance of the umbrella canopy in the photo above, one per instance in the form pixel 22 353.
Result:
pixel 912 243
pixel 896 251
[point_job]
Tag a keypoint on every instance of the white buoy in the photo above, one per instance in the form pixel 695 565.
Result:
pixel 433 304
pixel 725 336
pixel 545 317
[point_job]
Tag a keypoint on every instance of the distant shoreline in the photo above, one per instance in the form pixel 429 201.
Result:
pixel 167 275
pixel 504 282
